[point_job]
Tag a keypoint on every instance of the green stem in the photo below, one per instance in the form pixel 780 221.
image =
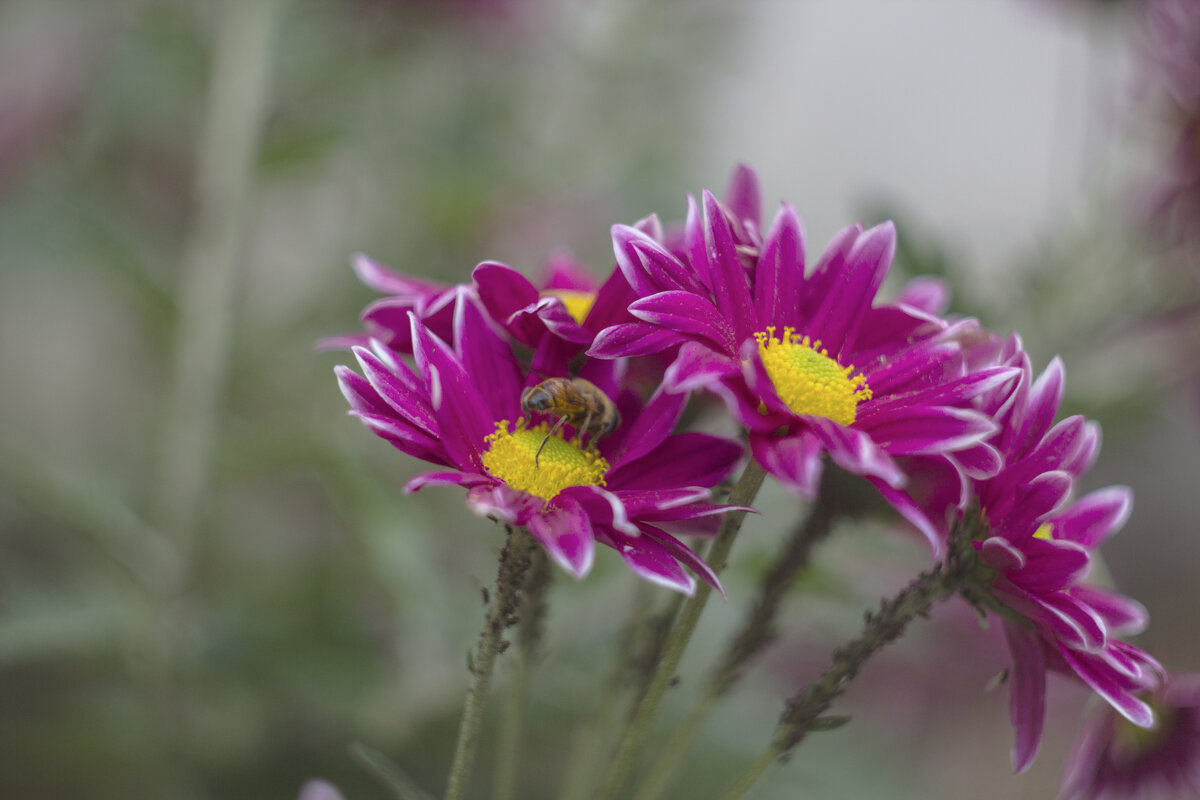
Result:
pixel 514 563
pixel 803 712
pixel 756 632
pixel 638 729
pixel 645 631
pixel 212 256
pixel 529 637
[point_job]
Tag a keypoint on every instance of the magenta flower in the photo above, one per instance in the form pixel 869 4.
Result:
pixel 569 306
pixel 1041 553
pixel 1115 759
pixel 806 363
pixel 387 319
pixel 460 409
pixel 1067 626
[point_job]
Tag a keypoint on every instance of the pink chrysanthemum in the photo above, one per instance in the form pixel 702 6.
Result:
pixel 569 306
pixel 1114 759
pixel 1041 553
pixel 461 409
pixel 806 363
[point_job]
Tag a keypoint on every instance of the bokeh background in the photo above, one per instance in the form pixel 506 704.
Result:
pixel 210 584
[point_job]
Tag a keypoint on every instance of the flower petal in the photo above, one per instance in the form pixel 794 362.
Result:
pixel 455 478
pixel 1027 702
pixel 488 360
pixel 1096 516
pixel 743 195
pixel 463 421
pixel 647 265
pixel 651 561
pixel 779 274
pixel 852 291
pixel 387 281
pixel 565 530
pixel 685 459
pixel 794 461
pixel 927 430
pixel 402 394
pixel 1092 671
pixel 729 284
pixel 632 339
pixel 1122 615
pixel 855 451
pixel 686 313
pixel 502 290
pixel 697 366
pixel 648 430
pixel 684 555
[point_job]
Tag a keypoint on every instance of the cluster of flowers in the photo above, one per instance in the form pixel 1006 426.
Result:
pixel 944 418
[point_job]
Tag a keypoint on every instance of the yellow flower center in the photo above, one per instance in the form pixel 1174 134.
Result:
pixel 511 457
pixel 808 380
pixel 1044 531
pixel 578 303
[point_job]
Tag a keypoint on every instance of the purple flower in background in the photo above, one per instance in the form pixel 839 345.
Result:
pixel 1115 759
pixel 319 790
pixel 461 409
pixel 806 363
pixel 1173 63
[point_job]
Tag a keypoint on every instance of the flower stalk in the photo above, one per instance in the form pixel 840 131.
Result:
pixel 638 729
pixel 236 108
pixel 804 712
pixel 530 628
pixel 756 633
pixel 515 562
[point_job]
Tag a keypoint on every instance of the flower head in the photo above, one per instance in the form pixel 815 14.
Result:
pixel 1041 550
pixel 568 309
pixel 807 363
pixel 461 409
pixel 1113 758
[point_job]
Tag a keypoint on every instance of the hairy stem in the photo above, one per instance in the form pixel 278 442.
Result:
pixel 803 712
pixel 502 613
pixel 638 729
pixel 529 638
pixel 756 632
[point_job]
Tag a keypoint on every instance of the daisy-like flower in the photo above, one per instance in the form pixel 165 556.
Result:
pixel 461 409
pixel 1115 759
pixel 569 306
pixel 1065 625
pixel 1040 554
pixel 806 363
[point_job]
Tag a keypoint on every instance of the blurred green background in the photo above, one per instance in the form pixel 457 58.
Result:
pixel 210 584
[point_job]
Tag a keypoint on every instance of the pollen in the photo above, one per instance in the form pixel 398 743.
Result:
pixel 512 457
pixel 577 303
pixel 808 380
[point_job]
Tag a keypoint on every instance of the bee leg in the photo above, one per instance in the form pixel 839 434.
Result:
pixel 587 424
pixel 549 433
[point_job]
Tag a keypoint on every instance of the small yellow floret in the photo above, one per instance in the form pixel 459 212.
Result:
pixel 510 457
pixel 808 380
pixel 1044 531
pixel 578 303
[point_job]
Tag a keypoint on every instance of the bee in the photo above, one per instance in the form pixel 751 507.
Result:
pixel 576 401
